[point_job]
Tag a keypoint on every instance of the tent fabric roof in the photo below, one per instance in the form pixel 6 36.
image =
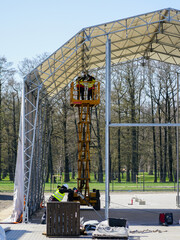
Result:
pixel 154 35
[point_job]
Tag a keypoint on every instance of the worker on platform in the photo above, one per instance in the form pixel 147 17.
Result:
pixel 57 196
pixel 91 86
pixel 80 87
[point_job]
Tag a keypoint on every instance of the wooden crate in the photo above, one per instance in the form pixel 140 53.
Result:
pixel 63 219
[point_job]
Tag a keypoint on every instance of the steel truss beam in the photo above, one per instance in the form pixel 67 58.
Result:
pixel 35 138
pixel 57 72
pixel 30 119
pixel 144 125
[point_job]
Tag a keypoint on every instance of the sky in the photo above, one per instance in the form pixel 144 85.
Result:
pixel 32 27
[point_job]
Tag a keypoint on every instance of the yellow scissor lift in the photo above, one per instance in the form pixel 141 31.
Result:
pixel 84 109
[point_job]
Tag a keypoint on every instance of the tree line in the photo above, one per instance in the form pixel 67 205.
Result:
pixel 9 118
pixel 142 91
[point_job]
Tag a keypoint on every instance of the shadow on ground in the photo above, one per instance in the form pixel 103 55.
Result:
pixel 16 234
pixel 134 216
pixel 6 197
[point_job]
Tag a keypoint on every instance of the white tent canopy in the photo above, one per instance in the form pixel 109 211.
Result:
pixel 154 35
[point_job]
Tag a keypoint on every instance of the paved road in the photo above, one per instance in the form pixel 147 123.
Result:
pixel 35 231
pixel 143 219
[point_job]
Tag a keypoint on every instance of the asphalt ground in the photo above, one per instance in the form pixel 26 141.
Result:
pixel 143 219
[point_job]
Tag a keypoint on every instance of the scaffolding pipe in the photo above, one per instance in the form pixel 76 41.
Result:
pixel 177 133
pixel 107 120
pixel 23 134
pixel 144 125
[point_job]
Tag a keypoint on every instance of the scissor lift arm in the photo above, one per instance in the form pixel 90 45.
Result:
pixel 84 108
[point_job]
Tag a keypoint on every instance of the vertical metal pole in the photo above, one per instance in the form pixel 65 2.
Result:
pixel 143 182
pixel 23 136
pixel 108 79
pixel 177 132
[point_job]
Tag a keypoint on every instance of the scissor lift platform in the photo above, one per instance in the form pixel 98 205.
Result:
pixel 84 109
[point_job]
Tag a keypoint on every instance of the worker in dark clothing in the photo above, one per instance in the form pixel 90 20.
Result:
pixel 58 195
pixel 91 86
pixel 80 87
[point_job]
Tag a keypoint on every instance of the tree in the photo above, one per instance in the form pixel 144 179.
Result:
pixel 130 78
pixel 118 94
pixel 6 73
pixel 64 110
pixel 27 65
pixel 151 88
pixel 100 166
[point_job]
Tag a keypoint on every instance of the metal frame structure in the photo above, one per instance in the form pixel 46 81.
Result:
pixel 152 35
pixel 35 141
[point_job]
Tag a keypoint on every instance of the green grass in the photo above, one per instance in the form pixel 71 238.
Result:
pixel 114 186
pixel 149 185
pixel 6 186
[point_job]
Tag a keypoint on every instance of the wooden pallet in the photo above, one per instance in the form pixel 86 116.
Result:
pixel 63 219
